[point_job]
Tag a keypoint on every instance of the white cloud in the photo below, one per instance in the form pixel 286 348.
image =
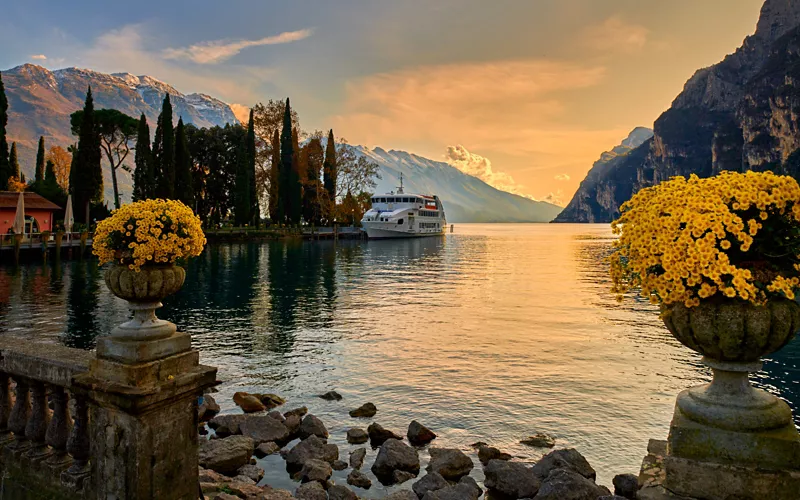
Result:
pixel 556 198
pixel 561 177
pixel 616 35
pixel 216 51
pixel 241 112
pixel 39 57
pixel 481 167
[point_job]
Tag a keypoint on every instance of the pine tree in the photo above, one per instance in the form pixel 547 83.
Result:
pixel 5 169
pixel 86 176
pixel 39 178
pixel 184 187
pixel 164 152
pixel 296 181
pixel 143 181
pixel 14 161
pixel 255 212
pixel 241 202
pixel 274 177
pixel 329 172
pixel 285 172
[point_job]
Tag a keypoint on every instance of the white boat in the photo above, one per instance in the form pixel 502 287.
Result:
pixel 404 215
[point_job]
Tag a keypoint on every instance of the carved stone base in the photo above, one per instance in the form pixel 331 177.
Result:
pixel 142 351
pixel 145 374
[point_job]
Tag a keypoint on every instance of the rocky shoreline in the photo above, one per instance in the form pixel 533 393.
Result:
pixel 228 469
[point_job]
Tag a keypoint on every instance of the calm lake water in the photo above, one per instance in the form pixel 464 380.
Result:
pixel 490 334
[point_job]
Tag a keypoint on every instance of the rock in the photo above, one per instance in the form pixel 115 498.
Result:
pixel 201 430
pixel 311 448
pixel 244 489
pixel 253 472
pixel 331 396
pixel 565 484
pixel 402 495
pixel 367 410
pixel 263 429
pixel 270 493
pixel 225 496
pixel 339 465
pixel 358 479
pixel 277 415
pixel 626 485
pixel 461 491
pixel 512 479
pixel 270 400
pixel 357 436
pixel 378 435
pixel 312 426
pixel 248 402
pixel 226 425
pixel 339 492
pixel 311 491
pixel 611 497
pixel 316 470
pixel 432 481
pixel 292 424
pixel 395 455
pixel 487 453
pixel 401 476
pixel 540 440
pixel 357 457
pixel 209 476
pixel 208 409
pixel 300 412
pixel 226 455
pixel 568 458
pixel 265 449
pixel 418 434
pixel 244 480
pixel 478 444
pixel 451 463
pixel 473 485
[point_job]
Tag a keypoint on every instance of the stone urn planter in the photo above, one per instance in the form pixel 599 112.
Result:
pixel 144 291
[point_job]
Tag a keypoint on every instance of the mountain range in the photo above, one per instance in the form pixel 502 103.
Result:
pixel 41 101
pixel 740 114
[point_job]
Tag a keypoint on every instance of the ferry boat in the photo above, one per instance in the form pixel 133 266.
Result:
pixel 402 215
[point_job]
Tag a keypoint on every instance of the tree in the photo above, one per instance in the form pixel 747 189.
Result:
pixel 329 169
pixel 13 161
pixel 62 160
pixel 86 177
pixel 285 173
pixel 164 152
pixel 5 168
pixel 116 130
pixel 242 193
pixel 143 176
pixel 268 119
pixel 39 176
pixel 296 181
pixel 184 188
pixel 354 174
pixel 49 187
pixel 312 158
pixel 274 182
pixel 255 209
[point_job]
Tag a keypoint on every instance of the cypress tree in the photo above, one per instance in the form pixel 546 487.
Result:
pixel 241 202
pixel 329 173
pixel 274 174
pixel 14 161
pixel 5 169
pixel 285 173
pixel 295 181
pixel 86 176
pixel 39 178
pixel 312 160
pixel 255 212
pixel 50 181
pixel 184 187
pixel 143 181
pixel 164 152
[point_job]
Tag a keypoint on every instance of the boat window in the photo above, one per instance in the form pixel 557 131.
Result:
pixel 399 221
pixel 383 200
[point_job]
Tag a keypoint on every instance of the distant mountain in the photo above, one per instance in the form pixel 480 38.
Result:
pixel 465 198
pixel 740 114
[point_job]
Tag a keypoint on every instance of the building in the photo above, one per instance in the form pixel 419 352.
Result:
pixel 39 212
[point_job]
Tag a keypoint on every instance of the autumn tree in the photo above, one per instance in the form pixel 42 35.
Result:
pixel 267 121
pixel 241 207
pixel 61 159
pixel 164 152
pixel 86 176
pixel 39 175
pixel 356 175
pixel 5 169
pixel 184 189
pixel 143 176
pixel 312 158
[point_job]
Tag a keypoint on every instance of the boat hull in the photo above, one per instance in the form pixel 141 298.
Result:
pixel 376 233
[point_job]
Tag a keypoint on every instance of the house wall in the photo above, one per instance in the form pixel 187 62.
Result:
pixel 43 217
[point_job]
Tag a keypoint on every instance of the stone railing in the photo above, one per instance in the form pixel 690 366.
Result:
pixel 44 433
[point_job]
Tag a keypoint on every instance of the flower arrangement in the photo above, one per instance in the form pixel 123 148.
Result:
pixel 149 231
pixel 735 235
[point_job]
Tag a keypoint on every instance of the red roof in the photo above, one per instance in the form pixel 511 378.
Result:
pixel 9 199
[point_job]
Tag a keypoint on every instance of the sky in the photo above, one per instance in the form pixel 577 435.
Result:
pixel 525 94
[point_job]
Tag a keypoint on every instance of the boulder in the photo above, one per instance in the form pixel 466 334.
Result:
pixel 395 455
pixel 297 411
pixel 568 458
pixel 451 463
pixel 226 425
pixel 357 457
pixel 402 495
pixel 378 435
pixel 626 485
pixel 226 455
pixel 311 491
pixel 565 484
pixel 270 493
pixel 358 479
pixel 357 436
pixel 367 410
pixel 511 479
pixel 316 470
pixel 460 491
pixel 611 497
pixel 401 476
pixel 472 484
pixel 312 426
pixel 331 396
pixel 248 402
pixel 209 476
pixel 339 465
pixel 487 453
pixel 225 496
pixel 243 480
pixel 312 448
pixel 418 434
pixel 265 449
pixel 244 489
pixel 263 429
pixel 431 482
pixel 539 440
pixel 292 424
pixel 277 415
pixel 339 492
pixel 253 472
pixel 208 409
pixel 270 400
pixel 201 429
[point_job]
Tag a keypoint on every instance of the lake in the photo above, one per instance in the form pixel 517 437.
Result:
pixel 493 333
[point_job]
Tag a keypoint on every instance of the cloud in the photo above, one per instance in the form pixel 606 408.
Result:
pixel 614 35
pixel 214 52
pixel 241 112
pixel 561 177
pixel 556 198
pixel 39 57
pixel 478 166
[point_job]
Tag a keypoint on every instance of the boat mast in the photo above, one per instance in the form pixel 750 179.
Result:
pixel 400 189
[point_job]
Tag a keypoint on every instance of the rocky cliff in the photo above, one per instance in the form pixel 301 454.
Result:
pixel 740 114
